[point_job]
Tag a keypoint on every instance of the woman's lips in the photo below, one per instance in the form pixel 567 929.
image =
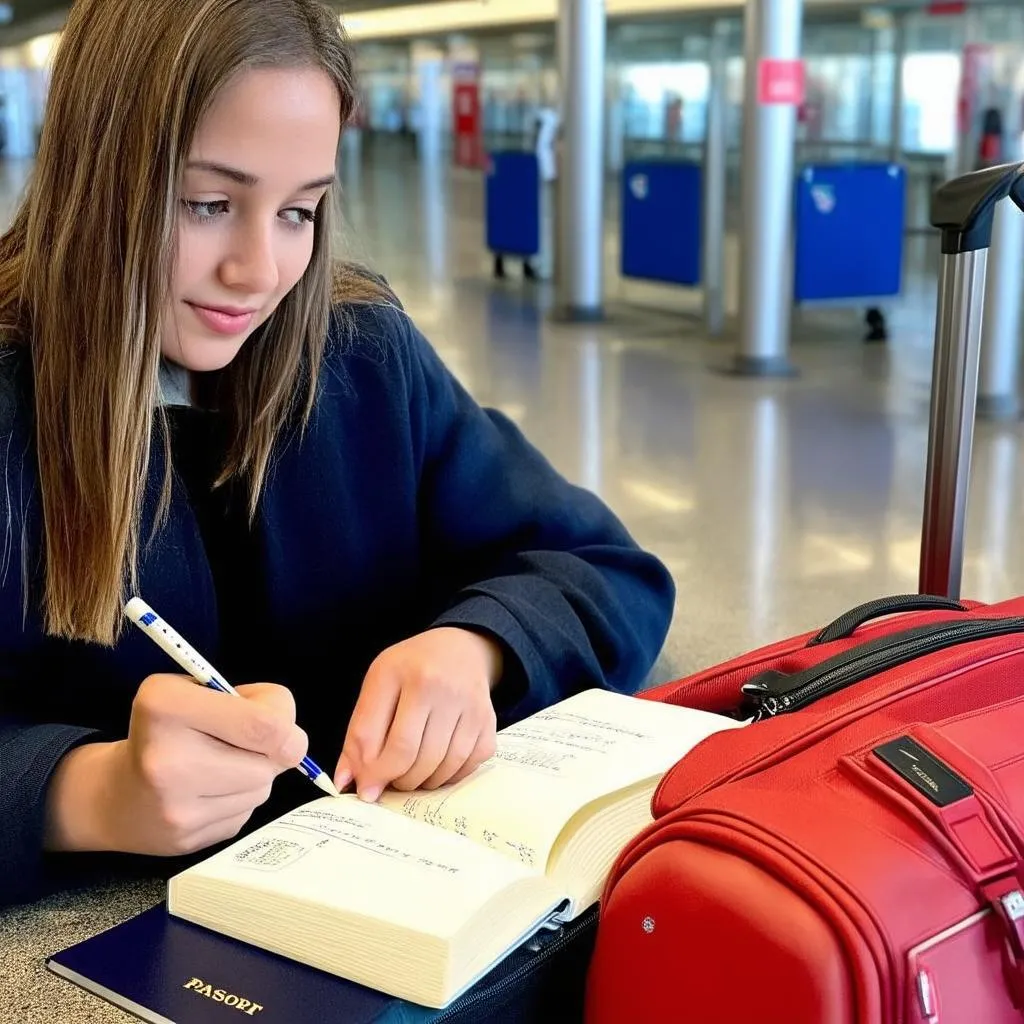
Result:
pixel 224 321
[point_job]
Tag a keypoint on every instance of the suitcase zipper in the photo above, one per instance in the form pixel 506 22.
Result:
pixel 775 693
pixel 544 946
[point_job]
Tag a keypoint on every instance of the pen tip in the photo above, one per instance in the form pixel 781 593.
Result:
pixel 324 782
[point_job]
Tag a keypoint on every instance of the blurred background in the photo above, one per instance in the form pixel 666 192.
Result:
pixel 687 248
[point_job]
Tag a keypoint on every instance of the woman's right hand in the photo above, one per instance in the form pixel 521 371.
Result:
pixel 194 767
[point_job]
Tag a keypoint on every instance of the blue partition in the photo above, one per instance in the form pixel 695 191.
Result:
pixel 849 231
pixel 513 204
pixel 661 222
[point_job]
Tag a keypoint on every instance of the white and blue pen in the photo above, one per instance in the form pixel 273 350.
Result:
pixel 203 672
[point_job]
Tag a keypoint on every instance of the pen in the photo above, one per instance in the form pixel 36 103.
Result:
pixel 203 672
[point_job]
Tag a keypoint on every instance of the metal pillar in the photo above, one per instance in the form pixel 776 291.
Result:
pixel 615 123
pixel 715 183
pixel 869 101
pixel 1000 338
pixel 1001 334
pixel 896 114
pixel 428 79
pixel 772 33
pixel 581 41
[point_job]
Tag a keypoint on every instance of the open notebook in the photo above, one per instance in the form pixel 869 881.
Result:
pixel 420 895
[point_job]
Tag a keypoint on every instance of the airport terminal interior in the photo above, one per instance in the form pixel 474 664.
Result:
pixel 776 500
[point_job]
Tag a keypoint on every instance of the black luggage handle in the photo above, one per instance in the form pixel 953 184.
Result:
pixel 845 625
pixel 963 209
pixel 774 692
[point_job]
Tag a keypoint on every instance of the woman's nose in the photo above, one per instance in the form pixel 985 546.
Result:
pixel 251 266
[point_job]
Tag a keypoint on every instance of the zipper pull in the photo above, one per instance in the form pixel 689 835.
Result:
pixel 766 695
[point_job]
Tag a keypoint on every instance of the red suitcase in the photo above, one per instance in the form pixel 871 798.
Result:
pixel 856 854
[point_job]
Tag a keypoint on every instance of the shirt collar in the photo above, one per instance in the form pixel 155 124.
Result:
pixel 174 384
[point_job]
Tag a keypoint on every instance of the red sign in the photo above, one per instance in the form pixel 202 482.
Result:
pixel 781 82
pixel 941 7
pixel 972 70
pixel 466 118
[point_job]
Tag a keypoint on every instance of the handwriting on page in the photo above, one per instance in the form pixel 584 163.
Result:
pixel 271 854
pixel 320 827
pixel 550 766
pixel 554 740
pixel 437 810
pixel 559 745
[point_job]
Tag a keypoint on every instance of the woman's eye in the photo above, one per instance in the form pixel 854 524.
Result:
pixel 298 217
pixel 205 211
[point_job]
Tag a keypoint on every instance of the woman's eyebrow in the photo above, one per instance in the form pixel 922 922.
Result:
pixel 250 180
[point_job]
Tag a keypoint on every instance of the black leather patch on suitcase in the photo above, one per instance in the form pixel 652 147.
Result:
pixel 924 771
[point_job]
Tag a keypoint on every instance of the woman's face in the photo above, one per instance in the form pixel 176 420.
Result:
pixel 262 161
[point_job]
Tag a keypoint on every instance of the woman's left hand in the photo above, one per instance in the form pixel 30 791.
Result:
pixel 424 716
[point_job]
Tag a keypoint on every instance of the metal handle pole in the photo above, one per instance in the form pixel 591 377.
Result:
pixel 951 433
pixel 963 209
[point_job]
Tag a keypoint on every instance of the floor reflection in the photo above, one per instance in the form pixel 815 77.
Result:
pixel 776 504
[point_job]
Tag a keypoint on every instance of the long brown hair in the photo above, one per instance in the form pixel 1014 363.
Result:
pixel 86 266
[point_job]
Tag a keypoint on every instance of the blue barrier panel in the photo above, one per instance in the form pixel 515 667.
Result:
pixel 661 222
pixel 849 231
pixel 513 204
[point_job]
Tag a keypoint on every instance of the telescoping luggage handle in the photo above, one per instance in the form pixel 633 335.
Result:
pixel 963 210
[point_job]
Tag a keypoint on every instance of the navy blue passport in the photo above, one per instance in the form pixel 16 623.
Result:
pixel 163 969
pixel 166 970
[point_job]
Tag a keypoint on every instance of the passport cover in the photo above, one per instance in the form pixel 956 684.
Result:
pixel 169 971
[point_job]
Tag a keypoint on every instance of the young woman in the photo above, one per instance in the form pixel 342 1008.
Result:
pixel 201 409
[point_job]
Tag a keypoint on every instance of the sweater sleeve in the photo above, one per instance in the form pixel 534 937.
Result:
pixel 28 756
pixel 518 553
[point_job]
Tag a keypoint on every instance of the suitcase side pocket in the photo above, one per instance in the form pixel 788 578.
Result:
pixel 713 924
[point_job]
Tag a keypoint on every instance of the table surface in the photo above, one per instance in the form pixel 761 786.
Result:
pixel 29 993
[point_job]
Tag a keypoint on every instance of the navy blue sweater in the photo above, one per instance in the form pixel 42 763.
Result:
pixel 405 505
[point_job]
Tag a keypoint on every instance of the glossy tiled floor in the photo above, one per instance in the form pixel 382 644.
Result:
pixel 777 504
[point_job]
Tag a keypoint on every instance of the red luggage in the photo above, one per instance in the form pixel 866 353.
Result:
pixel 856 854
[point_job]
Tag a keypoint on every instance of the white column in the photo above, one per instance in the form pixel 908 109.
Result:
pixel 896 113
pixel 428 64
pixel 1001 328
pixel 1000 337
pixel 773 29
pixel 615 147
pixel 715 184
pixel 581 41
pixel 17 113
